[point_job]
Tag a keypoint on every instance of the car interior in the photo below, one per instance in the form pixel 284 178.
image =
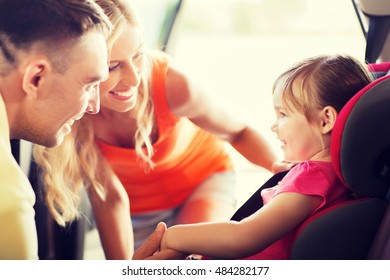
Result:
pixel 374 19
pixel 358 229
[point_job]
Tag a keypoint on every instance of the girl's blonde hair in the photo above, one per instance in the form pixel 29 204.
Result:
pixel 77 163
pixel 321 81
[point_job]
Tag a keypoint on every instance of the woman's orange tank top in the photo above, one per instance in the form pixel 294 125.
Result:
pixel 185 155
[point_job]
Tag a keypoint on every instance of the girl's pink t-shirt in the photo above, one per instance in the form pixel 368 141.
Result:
pixel 308 178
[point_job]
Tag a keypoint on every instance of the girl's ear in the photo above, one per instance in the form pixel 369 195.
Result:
pixel 33 75
pixel 328 119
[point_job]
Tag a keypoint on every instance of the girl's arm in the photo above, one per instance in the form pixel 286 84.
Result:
pixel 113 221
pixel 233 240
pixel 188 100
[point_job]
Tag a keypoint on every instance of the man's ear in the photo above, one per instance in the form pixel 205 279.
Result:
pixel 328 119
pixel 34 73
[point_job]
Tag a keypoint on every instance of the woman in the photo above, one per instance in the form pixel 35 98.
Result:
pixel 157 142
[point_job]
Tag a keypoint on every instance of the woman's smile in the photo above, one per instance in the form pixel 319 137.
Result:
pixel 123 95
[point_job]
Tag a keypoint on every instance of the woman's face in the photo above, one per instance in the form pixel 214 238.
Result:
pixel 126 63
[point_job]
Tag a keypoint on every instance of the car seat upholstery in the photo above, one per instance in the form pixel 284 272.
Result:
pixel 360 149
pixel 374 18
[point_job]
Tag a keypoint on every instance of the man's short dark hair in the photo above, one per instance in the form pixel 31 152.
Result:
pixel 50 22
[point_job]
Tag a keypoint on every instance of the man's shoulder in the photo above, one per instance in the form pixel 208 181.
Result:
pixel 15 188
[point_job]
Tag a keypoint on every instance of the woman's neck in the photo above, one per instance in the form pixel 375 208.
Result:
pixel 114 128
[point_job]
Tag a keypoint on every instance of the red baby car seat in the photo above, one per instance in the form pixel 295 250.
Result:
pixel 360 149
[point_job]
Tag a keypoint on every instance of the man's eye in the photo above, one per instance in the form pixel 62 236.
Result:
pixel 92 87
pixel 113 66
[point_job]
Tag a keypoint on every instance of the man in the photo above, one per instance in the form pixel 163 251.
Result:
pixel 53 56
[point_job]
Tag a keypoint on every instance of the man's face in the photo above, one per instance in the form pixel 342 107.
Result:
pixel 64 98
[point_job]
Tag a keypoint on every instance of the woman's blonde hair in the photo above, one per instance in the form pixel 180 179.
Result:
pixel 77 163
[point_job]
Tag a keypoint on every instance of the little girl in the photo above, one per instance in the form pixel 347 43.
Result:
pixel 307 99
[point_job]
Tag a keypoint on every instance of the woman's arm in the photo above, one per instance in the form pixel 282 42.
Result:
pixel 233 240
pixel 113 221
pixel 187 99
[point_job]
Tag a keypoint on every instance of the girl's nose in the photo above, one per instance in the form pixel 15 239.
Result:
pixel 273 127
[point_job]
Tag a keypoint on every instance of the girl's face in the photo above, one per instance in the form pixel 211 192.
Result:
pixel 126 63
pixel 300 139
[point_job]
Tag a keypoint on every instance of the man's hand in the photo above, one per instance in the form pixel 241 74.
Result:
pixel 150 249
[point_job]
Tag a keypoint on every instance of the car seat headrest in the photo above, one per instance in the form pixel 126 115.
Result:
pixel 360 142
pixel 374 8
pixel 379 69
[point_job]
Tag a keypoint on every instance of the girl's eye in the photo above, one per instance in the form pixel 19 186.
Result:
pixel 113 66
